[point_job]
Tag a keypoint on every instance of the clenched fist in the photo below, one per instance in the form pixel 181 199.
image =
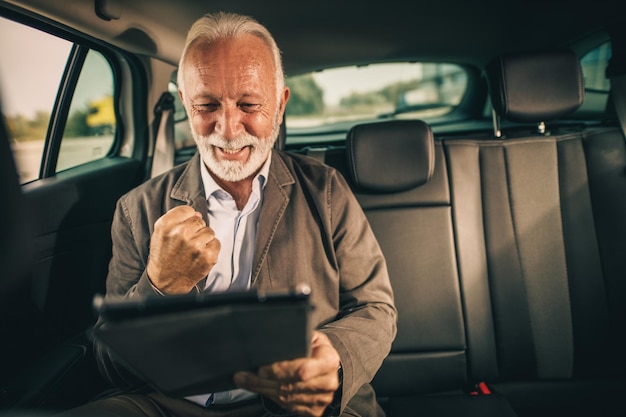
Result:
pixel 183 249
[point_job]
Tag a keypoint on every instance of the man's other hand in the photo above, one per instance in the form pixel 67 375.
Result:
pixel 303 386
pixel 183 249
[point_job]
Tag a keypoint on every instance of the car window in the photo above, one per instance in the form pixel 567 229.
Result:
pixel 91 123
pixel 597 85
pixel 594 65
pixel 30 96
pixel 337 97
pixel 182 131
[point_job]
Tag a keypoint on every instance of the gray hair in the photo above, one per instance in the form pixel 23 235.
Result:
pixel 221 25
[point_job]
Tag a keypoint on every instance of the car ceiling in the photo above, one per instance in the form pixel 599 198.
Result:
pixel 327 33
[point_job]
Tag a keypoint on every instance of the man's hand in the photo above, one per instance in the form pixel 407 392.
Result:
pixel 303 386
pixel 182 251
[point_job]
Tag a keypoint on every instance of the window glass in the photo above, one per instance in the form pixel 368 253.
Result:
pixel 594 66
pixel 338 96
pixel 90 127
pixel 31 72
pixel 597 86
pixel 182 131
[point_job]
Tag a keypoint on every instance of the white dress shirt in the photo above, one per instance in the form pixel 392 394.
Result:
pixel 236 231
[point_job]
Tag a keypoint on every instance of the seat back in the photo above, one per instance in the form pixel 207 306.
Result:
pixel 398 174
pixel 505 253
pixel 539 222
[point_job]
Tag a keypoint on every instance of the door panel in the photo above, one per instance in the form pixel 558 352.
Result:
pixel 71 222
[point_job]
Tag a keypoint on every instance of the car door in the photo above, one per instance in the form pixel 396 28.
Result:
pixel 78 133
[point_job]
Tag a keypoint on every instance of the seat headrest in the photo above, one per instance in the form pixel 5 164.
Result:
pixel 536 87
pixel 391 156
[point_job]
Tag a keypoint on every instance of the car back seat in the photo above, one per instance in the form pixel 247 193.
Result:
pixel 398 173
pixel 506 256
pixel 540 224
pixel 408 206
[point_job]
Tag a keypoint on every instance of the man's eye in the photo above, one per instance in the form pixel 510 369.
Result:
pixel 208 106
pixel 249 107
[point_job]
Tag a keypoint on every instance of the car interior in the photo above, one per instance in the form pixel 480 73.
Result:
pixel 495 184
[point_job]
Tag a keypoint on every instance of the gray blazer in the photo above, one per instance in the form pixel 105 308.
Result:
pixel 311 230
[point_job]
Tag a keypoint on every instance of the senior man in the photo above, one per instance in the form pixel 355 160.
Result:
pixel 241 214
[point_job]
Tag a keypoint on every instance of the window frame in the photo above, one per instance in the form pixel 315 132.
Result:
pixel 129 85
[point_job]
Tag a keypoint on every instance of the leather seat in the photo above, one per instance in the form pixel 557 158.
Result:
pixel 505 252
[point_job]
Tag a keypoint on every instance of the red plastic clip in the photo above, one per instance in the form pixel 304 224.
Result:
pixel 481 389
pixel 484 388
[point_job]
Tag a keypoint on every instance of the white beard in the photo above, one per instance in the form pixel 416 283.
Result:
pixel 234 171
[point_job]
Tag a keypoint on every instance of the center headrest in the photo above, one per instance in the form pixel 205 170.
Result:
pixel 536 87
pixel 391 156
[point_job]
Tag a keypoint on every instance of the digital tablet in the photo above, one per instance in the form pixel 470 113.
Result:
pixel 192 344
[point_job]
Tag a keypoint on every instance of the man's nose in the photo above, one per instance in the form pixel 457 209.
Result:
pixel 228 123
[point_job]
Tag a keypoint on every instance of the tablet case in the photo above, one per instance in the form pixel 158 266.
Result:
pixel 192 344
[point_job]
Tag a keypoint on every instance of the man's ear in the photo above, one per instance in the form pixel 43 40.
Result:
pixel 284 98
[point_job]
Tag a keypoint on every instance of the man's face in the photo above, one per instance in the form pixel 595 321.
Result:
pixel 230 94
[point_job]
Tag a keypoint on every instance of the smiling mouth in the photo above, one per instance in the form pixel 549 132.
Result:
pixel 232 151
pixel 233 154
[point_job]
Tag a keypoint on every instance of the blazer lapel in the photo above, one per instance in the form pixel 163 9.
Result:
pixel 275 200
pixel 189 187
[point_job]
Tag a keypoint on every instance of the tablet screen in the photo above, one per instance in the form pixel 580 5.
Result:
pixel 188 345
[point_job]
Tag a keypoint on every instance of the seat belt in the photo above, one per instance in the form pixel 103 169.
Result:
pixel 317 153
pixel 163 155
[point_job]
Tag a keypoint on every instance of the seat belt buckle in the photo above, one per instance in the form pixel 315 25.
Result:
pixel 481 389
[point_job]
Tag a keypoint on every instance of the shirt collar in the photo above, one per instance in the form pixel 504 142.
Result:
pixel 210 186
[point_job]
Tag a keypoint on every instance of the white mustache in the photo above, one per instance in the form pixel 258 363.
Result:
pixel 231 145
